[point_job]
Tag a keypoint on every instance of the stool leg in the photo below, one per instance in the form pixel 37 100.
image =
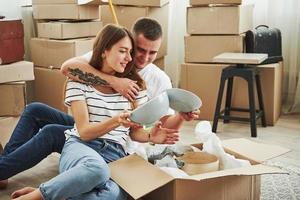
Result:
pixel 228 99
pixel 252 106
pixel 260 100
pixel 218 104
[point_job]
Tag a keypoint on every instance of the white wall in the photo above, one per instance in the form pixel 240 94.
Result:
pixel 11 8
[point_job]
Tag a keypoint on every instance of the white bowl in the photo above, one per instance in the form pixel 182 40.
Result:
pixel 151 111
pixel 183 100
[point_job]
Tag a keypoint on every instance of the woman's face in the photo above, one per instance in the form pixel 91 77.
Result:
pixel 117 58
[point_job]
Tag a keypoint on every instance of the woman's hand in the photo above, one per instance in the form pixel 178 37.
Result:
pixel 123 120
pixel 161 135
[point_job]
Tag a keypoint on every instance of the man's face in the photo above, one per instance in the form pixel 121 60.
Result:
pixel 146 51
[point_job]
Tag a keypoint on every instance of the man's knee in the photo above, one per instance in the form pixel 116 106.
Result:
pixel 35 108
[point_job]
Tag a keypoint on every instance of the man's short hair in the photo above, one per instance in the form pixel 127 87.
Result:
pixel 150 28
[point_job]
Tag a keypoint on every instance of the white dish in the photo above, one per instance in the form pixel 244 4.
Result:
pixel 151 111
pixel 183 100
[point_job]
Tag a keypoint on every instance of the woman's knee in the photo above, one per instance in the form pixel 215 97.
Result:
pixel 98 171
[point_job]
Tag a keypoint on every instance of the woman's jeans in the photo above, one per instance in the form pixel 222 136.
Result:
pixel 39 132
pixel 84 172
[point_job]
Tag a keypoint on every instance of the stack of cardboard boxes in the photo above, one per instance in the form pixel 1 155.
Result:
pixel 214 27
pixel 66 29
pixel 128 11
pixel 14 71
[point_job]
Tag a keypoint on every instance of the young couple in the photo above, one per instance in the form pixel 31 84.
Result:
pixel 102 126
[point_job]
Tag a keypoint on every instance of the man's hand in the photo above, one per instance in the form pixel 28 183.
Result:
pixel 126 87
pixel 161 135
pixel 190 115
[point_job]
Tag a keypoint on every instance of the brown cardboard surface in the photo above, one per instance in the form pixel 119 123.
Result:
pixel 46 52
pixel 66 30
pixel 19 71
pixel 255 151
pixel 202 48
pixel 206 2
pixel 271 77
pixel 7 126
pixel 204 81
pixel 142 178
pixel 160 62
pixel 49 87
pixel 79 2
pixel 127 15
pixel 133 178
pixel 157 3
pixel 13 98
pixel 222 19
pixel 65 11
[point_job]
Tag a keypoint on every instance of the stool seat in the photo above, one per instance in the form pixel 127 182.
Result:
pixel 250 74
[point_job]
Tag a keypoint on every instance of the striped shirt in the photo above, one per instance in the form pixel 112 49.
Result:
pixel 102 106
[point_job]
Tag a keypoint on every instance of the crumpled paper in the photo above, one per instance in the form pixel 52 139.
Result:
pixel 213 145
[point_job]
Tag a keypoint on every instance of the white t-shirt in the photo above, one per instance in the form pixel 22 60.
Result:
pixel 102 106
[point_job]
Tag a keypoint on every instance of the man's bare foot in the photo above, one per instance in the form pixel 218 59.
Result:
pixel 3 184
pixel 22 192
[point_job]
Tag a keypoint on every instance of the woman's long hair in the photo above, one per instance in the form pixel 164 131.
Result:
pixel 105 39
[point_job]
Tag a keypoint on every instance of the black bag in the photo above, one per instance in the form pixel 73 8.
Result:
pixel 265 40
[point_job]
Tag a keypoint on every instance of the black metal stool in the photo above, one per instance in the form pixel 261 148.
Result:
pixel 250 74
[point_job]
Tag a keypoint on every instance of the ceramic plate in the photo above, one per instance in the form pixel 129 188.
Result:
pixel 151 111
pixel 183 100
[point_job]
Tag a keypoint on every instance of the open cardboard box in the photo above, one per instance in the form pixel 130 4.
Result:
pixel 141 179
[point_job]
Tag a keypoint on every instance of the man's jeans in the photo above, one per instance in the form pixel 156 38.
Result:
pixel 39 132
pixel 84 172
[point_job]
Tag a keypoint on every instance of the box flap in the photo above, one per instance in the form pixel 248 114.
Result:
pixel 252 150
pixel 248 171
pixel 136 176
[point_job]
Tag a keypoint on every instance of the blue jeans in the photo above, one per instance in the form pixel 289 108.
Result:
pixel 39 132
pixel 84 172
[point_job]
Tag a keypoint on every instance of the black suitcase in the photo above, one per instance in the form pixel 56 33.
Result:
pixel 265 40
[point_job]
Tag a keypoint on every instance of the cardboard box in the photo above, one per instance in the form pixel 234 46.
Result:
pixel 161 63
pixel 207 2
pixel 7 126
pixel 156 3
pixel 204 81
pixel 127 15
pixel 202 48
pixel 13 98
pixel 79 2
pixel 271 78
pixel 67 30
pixel 19 71
pixel 142 179
pixel 222 19
pixel 46 52
pixel 65 11
pixel 49 87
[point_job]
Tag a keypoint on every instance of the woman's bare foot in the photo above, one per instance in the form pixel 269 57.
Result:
pixel 27 193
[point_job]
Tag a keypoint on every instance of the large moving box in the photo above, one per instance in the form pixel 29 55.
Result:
pixel 222 19
pixel 65 11
pixel 7 125
pixel 202 48
pixel 68 29
pixel 79 2
pixel 157 3
pixel 204 80
pixel 271 78
pixel 49 87
pixel 19 71
pixel 13 98
pixel 145 180
pixel 127 15
pixel 160 62
pixel 206 2
pixel 46 53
